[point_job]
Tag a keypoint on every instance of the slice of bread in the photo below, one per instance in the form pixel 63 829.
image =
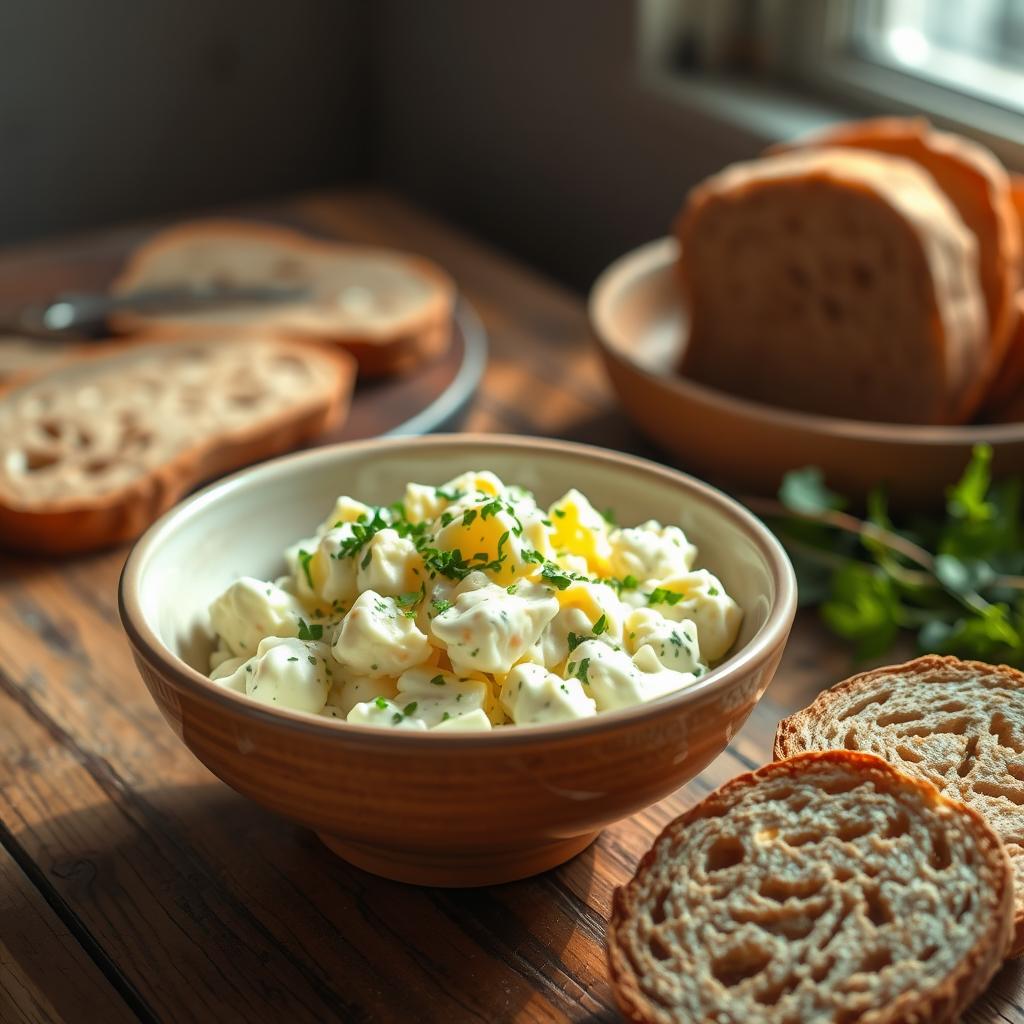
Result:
pixel 22 357
pixel 94 451
pixel 1005 399
pixel 833 281
pixel 958 724
pixel 828 887
pixel 389 309
pixel 978 186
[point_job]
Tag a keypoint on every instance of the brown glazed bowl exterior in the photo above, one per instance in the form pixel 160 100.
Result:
pixel 432 808
pixel 639 321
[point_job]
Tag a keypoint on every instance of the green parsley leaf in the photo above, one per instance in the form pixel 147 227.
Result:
pixel 307 632
pixel 659 595
pixel 305 557
pixel 409 708
pixel 381 703
pixel 601 625
pixel 438 680
pixel 803 491
pixel 574 640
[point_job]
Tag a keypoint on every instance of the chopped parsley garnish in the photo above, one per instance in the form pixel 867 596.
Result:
pixel 293 659
pixel 601 625
pixel 560 512
pixel 579 671
pixel 307 632
pixel 305 557
pixel 409 708
pixel 530 555
pixel 626 583
pixel 608 515
pixel 440 606
pixel 311 660
pixel 512 588
pixel 659 595
pixel 366 558
pixel 410 599
pixel 558 577
pixel 468 516
pixel 712 591
pixel 381 703
pixel 447 519
pixel 574 640
pixel 445 717
pixel 396 718
pixel 363 530
pixel 447 495
pixel 438 680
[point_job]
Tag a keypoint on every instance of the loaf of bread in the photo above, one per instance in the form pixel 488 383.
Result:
pixel 834 281
pixel 978 186
pixel 92 452
pixel 389 309
pixel 957 724
pixel 828 887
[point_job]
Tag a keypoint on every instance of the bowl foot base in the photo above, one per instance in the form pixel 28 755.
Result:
pixel 454 869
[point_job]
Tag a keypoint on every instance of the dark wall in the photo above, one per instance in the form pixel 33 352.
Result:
pixel 112 109
pixel 529 122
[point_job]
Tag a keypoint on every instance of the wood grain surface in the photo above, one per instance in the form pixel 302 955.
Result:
pixel 134 885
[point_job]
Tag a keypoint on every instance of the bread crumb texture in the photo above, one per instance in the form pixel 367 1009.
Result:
pixel 957 724
pixel 828 887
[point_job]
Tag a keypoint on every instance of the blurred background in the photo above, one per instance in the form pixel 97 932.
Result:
pixel 565 132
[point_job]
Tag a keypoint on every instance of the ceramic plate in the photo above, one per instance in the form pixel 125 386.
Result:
pixel 639 323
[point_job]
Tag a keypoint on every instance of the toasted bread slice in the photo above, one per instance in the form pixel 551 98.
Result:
pixel 958 724
pixel 94 451
pixel 833 281
pixel 978 186
pixel 828 887
pixel 389 309
pixel 1005 399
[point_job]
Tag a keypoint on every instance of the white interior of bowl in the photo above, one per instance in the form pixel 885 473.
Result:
pixel 242 525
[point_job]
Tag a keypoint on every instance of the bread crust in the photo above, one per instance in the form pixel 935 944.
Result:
pixel 979 187
pixel 87 522
pixel 792 731
pixel 420 336
pixel 915 211
pixel 940 1005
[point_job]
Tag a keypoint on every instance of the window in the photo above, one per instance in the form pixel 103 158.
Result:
pixel 959 62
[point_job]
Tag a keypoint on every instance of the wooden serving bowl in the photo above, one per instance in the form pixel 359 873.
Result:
pixel 434 808
pixel 640 324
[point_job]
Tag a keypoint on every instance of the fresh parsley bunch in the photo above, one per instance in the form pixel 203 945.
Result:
pixel 957 581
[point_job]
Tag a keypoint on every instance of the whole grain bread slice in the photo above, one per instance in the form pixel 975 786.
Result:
pixel 391 310
pixel 978 186
pixel 835 281
pixel 957 724
pixel 93 451
pixel 824 888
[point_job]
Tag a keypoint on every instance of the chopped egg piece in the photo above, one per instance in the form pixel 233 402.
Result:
pixel 532 695
pixel 377 638
pixel 250 610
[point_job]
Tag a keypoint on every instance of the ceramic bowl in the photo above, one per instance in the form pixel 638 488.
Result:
pixel 639 322
pixel 432 808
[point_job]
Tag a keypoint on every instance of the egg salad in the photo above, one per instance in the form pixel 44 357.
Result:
pixel 469 606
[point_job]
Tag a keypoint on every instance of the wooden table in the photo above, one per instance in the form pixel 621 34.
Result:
pixel 133 884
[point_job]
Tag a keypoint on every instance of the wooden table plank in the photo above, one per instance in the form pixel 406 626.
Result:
pixel 211 908
pixel 45 974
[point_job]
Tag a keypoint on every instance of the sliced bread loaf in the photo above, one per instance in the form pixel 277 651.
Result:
pixel 94 451
pixel 958 724
pixel 825 888
pixel 389 309
pixel 834 281
pixel 978 186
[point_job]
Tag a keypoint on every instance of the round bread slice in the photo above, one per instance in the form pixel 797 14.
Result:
pixel 94 450
pixel 978 186
pixel 957 724
pixel 391 310
pixel 824 888
pixel 834 281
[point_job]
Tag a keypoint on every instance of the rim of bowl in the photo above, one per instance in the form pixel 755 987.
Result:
pixel 623 274
pixel 748 658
